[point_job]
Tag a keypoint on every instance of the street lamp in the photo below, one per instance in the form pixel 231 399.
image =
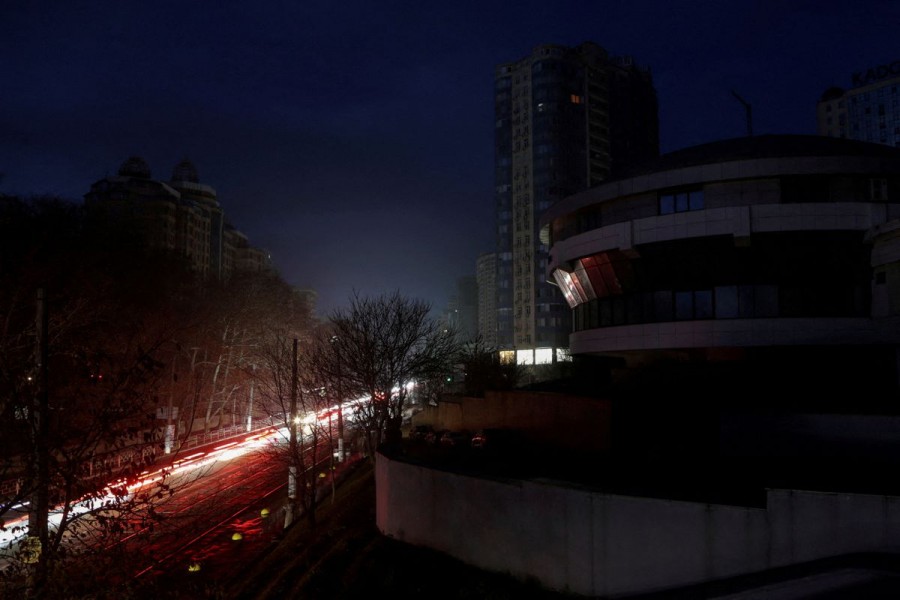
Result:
pixel 337 351
pixel 250 401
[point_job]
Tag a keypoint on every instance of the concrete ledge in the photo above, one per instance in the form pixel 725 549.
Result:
pixel 601 544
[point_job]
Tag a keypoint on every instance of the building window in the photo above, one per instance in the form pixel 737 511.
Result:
pixel 662 305
pixel 703 304
pixel 684 306
pixel 691 305
pixel 726 302
pixel 681 201
pixel 878 190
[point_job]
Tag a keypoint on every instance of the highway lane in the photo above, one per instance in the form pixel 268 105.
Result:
pixel 217 493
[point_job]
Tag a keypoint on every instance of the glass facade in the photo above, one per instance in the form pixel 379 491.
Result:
pixel 722 302
pixel 680 201
pixel 821 274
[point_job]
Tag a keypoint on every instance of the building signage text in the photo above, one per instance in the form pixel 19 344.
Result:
pixel 876 73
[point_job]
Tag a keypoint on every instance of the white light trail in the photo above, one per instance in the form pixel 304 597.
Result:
pixel 15 530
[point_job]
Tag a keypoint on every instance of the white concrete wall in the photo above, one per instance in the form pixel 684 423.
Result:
pixel 730 332
pixel 740 221
pixel 595 544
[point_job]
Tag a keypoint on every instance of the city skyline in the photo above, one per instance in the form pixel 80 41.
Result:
pixel 355 143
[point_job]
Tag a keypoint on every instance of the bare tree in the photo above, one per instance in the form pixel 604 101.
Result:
pixel 82 351
pixel 482 369
pixel 90 421
pixel 247 312
pixel 383 345
pixel 293 395
pixel 105 347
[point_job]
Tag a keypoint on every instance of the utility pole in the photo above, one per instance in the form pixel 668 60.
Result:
pixel 294 454
pixel 39 513
pixel 748 110
pixel 340 405
pixel 169 439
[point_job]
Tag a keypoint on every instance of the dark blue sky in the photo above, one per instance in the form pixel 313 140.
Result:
pixel 354 140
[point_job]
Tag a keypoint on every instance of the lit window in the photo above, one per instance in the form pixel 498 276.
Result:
pixel 543 356
pixel 525 357
pixel 576 99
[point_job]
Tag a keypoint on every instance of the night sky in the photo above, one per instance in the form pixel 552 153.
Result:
pixel 354 139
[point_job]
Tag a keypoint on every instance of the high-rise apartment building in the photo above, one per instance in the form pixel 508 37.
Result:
pixel 869 111
pixel 566 119
pixel 181 216
pixel 486 280
pixel 467 308
pixel 307 300
pixel 461 313
pixel 186 181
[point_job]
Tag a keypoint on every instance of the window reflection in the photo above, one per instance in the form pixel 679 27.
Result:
pixel 703 304
pixel 684 306
pixel 721 302
pixel 726 302
pixel 681 201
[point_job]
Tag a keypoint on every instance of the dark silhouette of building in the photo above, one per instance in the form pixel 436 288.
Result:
pixel 181 216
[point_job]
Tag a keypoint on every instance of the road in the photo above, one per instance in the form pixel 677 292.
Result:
pixel 211 503
pixel 225 507
pixel 222 513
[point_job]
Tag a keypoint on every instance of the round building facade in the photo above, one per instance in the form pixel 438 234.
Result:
pixel 764 245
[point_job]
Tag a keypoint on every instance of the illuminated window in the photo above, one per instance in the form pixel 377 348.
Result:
pixel 576 99
pixel 525 357
pixel 543 356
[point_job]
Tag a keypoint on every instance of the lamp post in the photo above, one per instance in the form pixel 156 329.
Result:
pixel 250 402
pixel 337 351
pixel 748 109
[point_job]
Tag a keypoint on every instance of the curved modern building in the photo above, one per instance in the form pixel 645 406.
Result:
pixel 778 247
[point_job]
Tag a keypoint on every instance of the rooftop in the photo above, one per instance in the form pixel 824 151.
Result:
pixel 762 146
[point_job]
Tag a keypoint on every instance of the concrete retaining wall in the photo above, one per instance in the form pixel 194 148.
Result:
pixel 564 421
pixel 598 544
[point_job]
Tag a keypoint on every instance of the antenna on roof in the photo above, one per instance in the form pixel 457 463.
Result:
pixel 749 111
